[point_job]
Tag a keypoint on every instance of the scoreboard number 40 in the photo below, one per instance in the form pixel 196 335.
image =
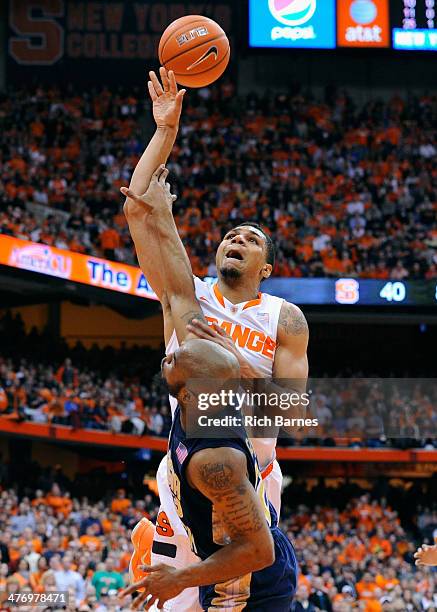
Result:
pixel 393 292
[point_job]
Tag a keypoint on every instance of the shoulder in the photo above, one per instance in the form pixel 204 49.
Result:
pixel 216 469
pixel 292 321
pixel 199 283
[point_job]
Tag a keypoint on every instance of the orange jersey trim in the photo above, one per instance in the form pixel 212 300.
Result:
pixel 249 304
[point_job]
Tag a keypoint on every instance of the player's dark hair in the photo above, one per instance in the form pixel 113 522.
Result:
pixel 271 251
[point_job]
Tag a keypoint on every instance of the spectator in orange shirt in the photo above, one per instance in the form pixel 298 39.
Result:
pixel 120 504
pixel 67 374
pixel 22 574
pixel 366 586
pixel 380 545
pixel 60 504
pixel 90 540
pixel 28 539
pixel 3 400
pixel 35 579
pixel 109 241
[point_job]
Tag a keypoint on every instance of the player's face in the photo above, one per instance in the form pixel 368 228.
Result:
pixel 241 252
pixel 171 374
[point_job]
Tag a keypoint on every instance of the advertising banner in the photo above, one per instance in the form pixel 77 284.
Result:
pixel 75 267
pixel 115 276
pixel 292 23
pixel 363 23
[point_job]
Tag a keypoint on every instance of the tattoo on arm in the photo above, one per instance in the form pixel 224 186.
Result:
pixel 217 476
pixel 292 321
pixel 188 317
pixel 239 509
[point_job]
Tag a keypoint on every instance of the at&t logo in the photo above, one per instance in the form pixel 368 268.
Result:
pixel 363 12
pixel 292 13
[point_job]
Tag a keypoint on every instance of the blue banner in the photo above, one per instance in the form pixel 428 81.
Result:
pixel 292 23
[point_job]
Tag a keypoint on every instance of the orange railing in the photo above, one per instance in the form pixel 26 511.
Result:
pixel 66 434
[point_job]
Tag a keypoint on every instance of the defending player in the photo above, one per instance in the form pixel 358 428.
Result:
pixel 268 335
pixel 217 489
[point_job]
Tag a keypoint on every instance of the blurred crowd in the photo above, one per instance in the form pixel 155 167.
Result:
pixel 105 389
pixel 355 550
pixel 120 390
pixel 343 188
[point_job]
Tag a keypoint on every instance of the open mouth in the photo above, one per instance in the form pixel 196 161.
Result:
pixel 234 254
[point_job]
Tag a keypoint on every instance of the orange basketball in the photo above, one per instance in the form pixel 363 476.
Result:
pixel 196 49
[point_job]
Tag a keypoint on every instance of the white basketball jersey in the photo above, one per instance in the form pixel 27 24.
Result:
pixel 253 327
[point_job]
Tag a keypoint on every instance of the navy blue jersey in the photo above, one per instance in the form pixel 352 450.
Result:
pixel 270 589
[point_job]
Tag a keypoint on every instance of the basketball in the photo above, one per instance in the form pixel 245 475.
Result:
pixel 196 49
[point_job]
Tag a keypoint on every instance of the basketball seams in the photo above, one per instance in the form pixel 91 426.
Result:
pixel 204 42
pixel 182 28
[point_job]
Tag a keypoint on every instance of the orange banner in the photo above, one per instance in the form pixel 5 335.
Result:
pixel 74 267
pixel 363 23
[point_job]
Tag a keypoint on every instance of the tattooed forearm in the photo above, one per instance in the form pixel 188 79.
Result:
pixel 239 508
pixel 188 317
pixel 244 518
pixel 292 320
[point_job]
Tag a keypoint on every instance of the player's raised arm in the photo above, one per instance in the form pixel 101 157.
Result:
pixel 167 106
pixel 175 268
pixel 220 474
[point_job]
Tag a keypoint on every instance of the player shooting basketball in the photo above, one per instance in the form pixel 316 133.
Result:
pixel 268 335
pixel 216 485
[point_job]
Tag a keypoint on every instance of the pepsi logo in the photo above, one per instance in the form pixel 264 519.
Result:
pixel 292 12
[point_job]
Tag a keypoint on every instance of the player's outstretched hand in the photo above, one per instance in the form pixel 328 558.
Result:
pixel 426 555
pixel 159 585
pixel 158 195
pixel 166 99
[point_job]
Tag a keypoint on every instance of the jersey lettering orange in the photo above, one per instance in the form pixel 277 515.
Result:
pixel 256 341
pixel 163 527
pixel 227 326
pixel 269 348
pixel 240 335
pixel 246 337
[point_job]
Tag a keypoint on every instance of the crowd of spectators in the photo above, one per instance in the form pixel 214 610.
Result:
pixel 355 550
pixel 343 188
pixel 121 391
pixel 357 553
pixel 103 389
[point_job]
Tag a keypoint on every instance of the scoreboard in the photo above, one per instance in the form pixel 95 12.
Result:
pixel 68 267
pixel 353 292
pixel 414 25
pixel 327 24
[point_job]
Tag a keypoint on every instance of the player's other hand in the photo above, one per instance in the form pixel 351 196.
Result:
pixel 157 197
pixel 166 99
pixel 160 584
pixel 426 555
pixel 217 334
